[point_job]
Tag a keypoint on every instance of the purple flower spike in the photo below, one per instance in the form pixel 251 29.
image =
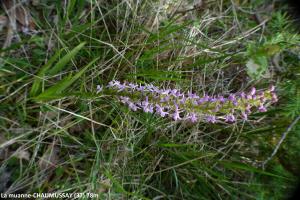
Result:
pixel 176 113
pixel 192 117
pixel 229 118
pixel 211 119
pixel 166 102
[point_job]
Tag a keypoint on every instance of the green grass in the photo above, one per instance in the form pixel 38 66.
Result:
pixel 57 134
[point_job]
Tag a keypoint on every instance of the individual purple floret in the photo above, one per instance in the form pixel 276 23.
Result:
pixel 249 96
pixel 192 95
pixel 151 88
pixel 253 91
pixel 229 118
pixel 132 86
pixel 235 103
pixel 121 87
pixel 262 108
pixel 160 111
pixel 192 117
pixel 194 102
pixel 182 100
pixel 211 118
pixel 232 97
pixel 99 88
pixel 165 99
pixel 274 98
pixel 124 100
pixel 272 88
pixel 244 116
pixel 174 92
pixel 165 92
pixel 212 99
pixel 248 108
pixel 221 99
pixel 132 106
pixel 140 88
pixel 242 95
pixel 217 108
pixel 176 113
pixel 205 98
pixel 113 83
pixel 146 106
pixel 201 101
pixel 262 97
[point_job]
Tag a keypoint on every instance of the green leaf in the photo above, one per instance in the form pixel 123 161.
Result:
pixel 56 90
pixel 62 62
pixel 35 89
